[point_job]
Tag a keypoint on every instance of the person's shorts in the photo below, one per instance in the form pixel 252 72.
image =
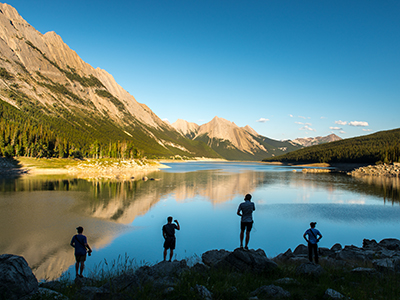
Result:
pixel 246 226
pixel 170 243
pixel 80 258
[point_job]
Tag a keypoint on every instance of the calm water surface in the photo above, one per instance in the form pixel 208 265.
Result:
pixel 39 214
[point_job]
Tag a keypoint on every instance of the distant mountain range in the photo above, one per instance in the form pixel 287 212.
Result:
pixel 234 142
pixel 53 104
pixel 307 142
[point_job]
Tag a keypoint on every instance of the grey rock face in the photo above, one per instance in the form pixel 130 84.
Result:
pixel 16 277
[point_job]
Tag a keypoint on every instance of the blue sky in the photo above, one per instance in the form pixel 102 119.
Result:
pixel 286 68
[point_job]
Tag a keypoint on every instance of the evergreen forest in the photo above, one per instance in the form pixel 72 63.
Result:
pixel 380 147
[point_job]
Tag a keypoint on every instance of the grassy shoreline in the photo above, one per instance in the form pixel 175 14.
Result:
pixel 231 285
pixel 110 167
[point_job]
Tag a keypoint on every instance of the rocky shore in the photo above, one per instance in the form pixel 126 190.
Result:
pixel 388 170
pixel 348 272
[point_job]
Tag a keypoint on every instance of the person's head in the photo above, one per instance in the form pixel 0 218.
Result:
pixel 169 219
pixel 79 229
pixel 312 224
pixel 247 197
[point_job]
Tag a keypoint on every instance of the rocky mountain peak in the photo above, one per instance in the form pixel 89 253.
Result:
pixel 45 57
pixel 185 127
pixel 250 130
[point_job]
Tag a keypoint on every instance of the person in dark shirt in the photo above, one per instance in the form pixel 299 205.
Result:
pixel 314 236
pixel 79 242
pixel 168 231
pixel 245 211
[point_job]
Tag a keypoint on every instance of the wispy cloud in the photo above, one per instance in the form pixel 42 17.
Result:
pixel 307 128
pixel 308 124
pixel 301 117
pixel 335 128
pixel 366 129
pixel 341 122
pixel 358 123
pixel 343 132
pixel 262 120
pixel 300 123
pixel 291 116
pixel 353 123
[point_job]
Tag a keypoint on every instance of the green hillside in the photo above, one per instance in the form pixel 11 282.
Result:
pixel 382 146
pixel 31 132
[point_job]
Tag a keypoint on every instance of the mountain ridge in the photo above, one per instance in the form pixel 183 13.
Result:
pixel 47 83
pixel 230 140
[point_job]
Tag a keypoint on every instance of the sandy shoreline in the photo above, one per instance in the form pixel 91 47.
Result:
pixel 122 169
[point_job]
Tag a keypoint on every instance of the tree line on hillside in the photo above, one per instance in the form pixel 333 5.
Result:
pixel 21 135
pixel 381 147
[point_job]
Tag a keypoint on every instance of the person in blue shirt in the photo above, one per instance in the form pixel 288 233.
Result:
pixel 312 237
pixel 168 231
pixel 79 242
pixel 245 211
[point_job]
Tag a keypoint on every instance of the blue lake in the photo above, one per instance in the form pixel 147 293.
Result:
pixel 39 214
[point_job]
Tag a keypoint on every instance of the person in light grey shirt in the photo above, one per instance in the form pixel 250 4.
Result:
pixel 245 211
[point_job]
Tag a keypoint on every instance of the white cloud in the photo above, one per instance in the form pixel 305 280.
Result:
pixel 262 120
pixel 335 128
pixel 308 124
pixel 366 129
pixel 300 123
pixel 342 132
pixel 323 117
pixel 166 120
pixel 358 123
pixel 307 128
pixel 291 116
pixel 341 122
pixel 302 117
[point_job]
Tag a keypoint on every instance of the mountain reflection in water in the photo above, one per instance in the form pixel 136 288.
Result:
pixel 41 213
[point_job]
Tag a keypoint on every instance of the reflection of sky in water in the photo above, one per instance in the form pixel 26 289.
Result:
pixel 126 217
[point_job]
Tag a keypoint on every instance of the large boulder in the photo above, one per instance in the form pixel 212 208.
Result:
pixel 16 277
pixel 283 257
pixel 336 247
pixel 332 294
pixel 270 292
pixel 212 257
pixel 370 244
pixel 387 264
pixel 245 261
pixel 310 269
pixel 162 275
pixel 301 250
pixel 354 254
pixel 390 244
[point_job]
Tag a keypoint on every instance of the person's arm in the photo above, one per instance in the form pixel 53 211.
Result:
pixel 88 247
pixel 304 236
pixel 164 234
pixel 238 211
pixel 254 207
pixel 319 235
pixel 73 242
pixel 178 227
